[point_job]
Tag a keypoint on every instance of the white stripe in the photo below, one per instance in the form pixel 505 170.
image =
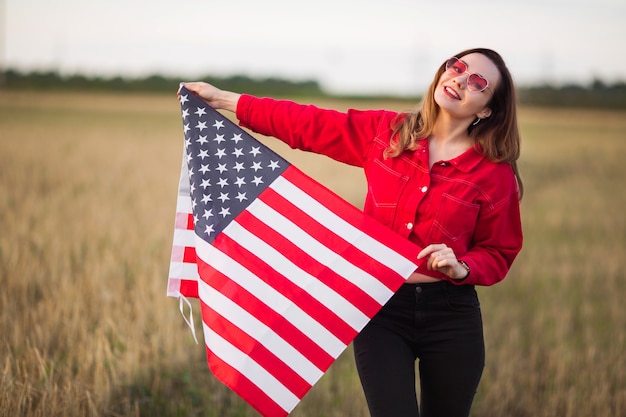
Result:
pixel 184 270
pixel 251 370
pixel 325 216
pixel 317 289
pixel 183 204
pixel 264 335
pixel 184 237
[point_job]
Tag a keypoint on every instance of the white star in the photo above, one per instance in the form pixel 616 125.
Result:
pixel 238 152
pixel 183 99
pixel 257 180
pixel 221 168
pixel 256 166
pixel 192 188
pixel 241 197
pixel 239 166
pixel 223 197
pixel 191 172
pixel 209 229
pixel 208 213
pixel 203 153
pixel 255 150
pixel 186 128
pixel 200 111
pixel 189 158
pixel 236 138
pixel 204 168
pixel 201 126
pixel 218 124
pixel 273 165
pixel 220 153
pixel 223 182
pixel 202 140
pixel 240 181
pixel 193 203
pixel 219 138
pixel 206 198
pixel 185 113
pixel 225 211
pixel 205 184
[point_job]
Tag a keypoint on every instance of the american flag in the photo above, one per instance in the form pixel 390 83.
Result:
pixel 286 271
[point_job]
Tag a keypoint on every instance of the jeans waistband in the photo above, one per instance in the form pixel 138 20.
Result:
pixel 426 285
pixel 434 286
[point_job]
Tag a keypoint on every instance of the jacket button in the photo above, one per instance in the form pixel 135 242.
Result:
pixel 424 188
pixel 409 225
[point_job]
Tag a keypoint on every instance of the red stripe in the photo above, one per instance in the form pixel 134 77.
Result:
pixel 247 301
pixel 245 388
pixel 190 222
pixel 351 214
pixel 255 350
pixel 189 255
pixel 189 288
pixel 322 273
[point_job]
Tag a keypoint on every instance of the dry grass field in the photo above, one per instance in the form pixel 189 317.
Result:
pixel 87 199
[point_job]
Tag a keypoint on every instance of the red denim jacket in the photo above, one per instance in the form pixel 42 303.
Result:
pixel 468 203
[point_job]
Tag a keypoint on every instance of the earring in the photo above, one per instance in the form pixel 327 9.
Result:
pixel 476 121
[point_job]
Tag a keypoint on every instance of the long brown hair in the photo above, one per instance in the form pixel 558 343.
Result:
pixel 498 135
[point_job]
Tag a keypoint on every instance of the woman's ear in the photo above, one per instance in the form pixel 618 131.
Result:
pixel 484 113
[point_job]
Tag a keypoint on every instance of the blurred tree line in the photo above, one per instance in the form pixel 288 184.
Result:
pixel 595 95
pixel 50 80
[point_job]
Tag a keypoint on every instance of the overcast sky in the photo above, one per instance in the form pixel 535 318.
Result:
pixel 349 46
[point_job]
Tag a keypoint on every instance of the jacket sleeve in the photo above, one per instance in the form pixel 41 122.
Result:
pixel 343 136
pixel 497 241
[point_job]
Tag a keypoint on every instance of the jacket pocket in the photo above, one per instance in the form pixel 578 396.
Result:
pixel 455 223
pixel 385 185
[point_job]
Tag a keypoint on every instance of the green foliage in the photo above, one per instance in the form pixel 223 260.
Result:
pixel 49 81
pixel 597 95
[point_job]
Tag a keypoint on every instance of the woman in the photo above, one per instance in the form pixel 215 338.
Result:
pixel 444 177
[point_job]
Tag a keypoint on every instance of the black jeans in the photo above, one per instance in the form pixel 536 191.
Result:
pixel 441 325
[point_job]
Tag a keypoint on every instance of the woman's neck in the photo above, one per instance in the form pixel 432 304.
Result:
pixel 447 141
pixel 451 131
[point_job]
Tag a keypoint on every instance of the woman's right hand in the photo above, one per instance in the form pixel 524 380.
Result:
pixel 213 96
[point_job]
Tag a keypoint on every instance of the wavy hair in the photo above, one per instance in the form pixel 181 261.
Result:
pixel 498 135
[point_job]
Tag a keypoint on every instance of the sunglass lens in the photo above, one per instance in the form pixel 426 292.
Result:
pixel 476 82
pixel 456 66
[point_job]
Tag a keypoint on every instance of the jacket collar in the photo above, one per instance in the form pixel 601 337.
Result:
pixel 465 162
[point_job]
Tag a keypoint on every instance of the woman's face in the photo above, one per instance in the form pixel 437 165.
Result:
pixel 453 95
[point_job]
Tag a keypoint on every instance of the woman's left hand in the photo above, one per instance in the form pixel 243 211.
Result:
pixel 442 258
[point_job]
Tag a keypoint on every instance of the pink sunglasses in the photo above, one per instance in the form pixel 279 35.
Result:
pixel 475 82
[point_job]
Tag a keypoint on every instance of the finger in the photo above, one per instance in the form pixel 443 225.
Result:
pixel 429 250
pixel 439 259
pixel 429 264
pixel 443 263
pixel 433 260
pixel 194 86
pixel 424 252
